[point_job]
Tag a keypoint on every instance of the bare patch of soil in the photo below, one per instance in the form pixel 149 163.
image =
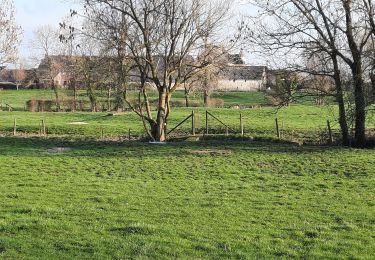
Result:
pixel 212 152
pixel 77 123
pixel 59 150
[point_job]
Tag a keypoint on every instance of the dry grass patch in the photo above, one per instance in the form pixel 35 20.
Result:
pixel 212 152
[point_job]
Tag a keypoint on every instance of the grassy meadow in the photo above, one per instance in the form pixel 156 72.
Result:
pixel 73 195
pixel 241 200
pixel 298 122
pixel 18 99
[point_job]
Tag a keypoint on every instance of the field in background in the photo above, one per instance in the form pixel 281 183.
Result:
pixel 18 99
pixel 297 122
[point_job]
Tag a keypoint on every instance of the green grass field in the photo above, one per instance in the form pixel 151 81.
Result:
pixel 241 200
pixel 299 122
pixel 73 195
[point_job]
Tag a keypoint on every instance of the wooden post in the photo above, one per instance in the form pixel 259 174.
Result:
pixel 40 129
pixel 207 131
pixel 227 131
pixel 330 141
pixel 129 135
pixel 15 127
pixel 192 123
pixel 102 132
pixel 44 132
pixel 241 125
pixel 277 128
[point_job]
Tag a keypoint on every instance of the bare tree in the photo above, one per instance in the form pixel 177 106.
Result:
pixel 46 44
pixel 337 29
pixel 19 75
pixel 159 37
pixel 9 33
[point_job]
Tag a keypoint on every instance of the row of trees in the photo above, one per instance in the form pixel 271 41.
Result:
pixel 324 39
pixel 166 44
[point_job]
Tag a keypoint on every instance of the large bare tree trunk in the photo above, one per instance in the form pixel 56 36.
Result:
pixel 360 106
pixel 342 119
pixel 109 91
pixel 57 99
pixel 92 97
pixel 357 74
pixel 74 86
pixel 206 98
pixel 341 102
pixel 186 98
pixel 158 129
pixel 372 77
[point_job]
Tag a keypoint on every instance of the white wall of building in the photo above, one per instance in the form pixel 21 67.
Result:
pixel 240 85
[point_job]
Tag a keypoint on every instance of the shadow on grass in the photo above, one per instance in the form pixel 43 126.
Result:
pixel 16 146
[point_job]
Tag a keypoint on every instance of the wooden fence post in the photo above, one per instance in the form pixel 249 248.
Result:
pixel 330 141
pixel 129 134
pixel 15 127
pixel 193 123
pixel 277 128
pixel 43 130
pixel 207 131
pixel 226 131
pixel 241 125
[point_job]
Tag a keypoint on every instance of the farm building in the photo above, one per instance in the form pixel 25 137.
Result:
pixel 241 77
pixel 234 75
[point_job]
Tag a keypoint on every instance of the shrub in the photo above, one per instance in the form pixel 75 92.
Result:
pixel 37 105
pixel 182 103
pixel 47 105
pixel 32 105
pixel 216 103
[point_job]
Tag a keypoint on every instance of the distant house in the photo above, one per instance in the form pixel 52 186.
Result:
pixel 234 75
pixel 241 77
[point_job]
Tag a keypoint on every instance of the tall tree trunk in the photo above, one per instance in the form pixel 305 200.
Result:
pixel 186 97
pixel 92 97
pixel 342 115
pixel 74 85
pixel 360 104
pixel 158 129
pixel 109 98
pixel 56 91
pixel 341 102
pixel 372 77
pixel 119 102
pixel 206 98
pixel 357 74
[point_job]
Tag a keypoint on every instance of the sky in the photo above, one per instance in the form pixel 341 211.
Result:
pixel 30 14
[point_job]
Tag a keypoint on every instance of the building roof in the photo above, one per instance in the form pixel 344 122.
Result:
pixel 243 72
